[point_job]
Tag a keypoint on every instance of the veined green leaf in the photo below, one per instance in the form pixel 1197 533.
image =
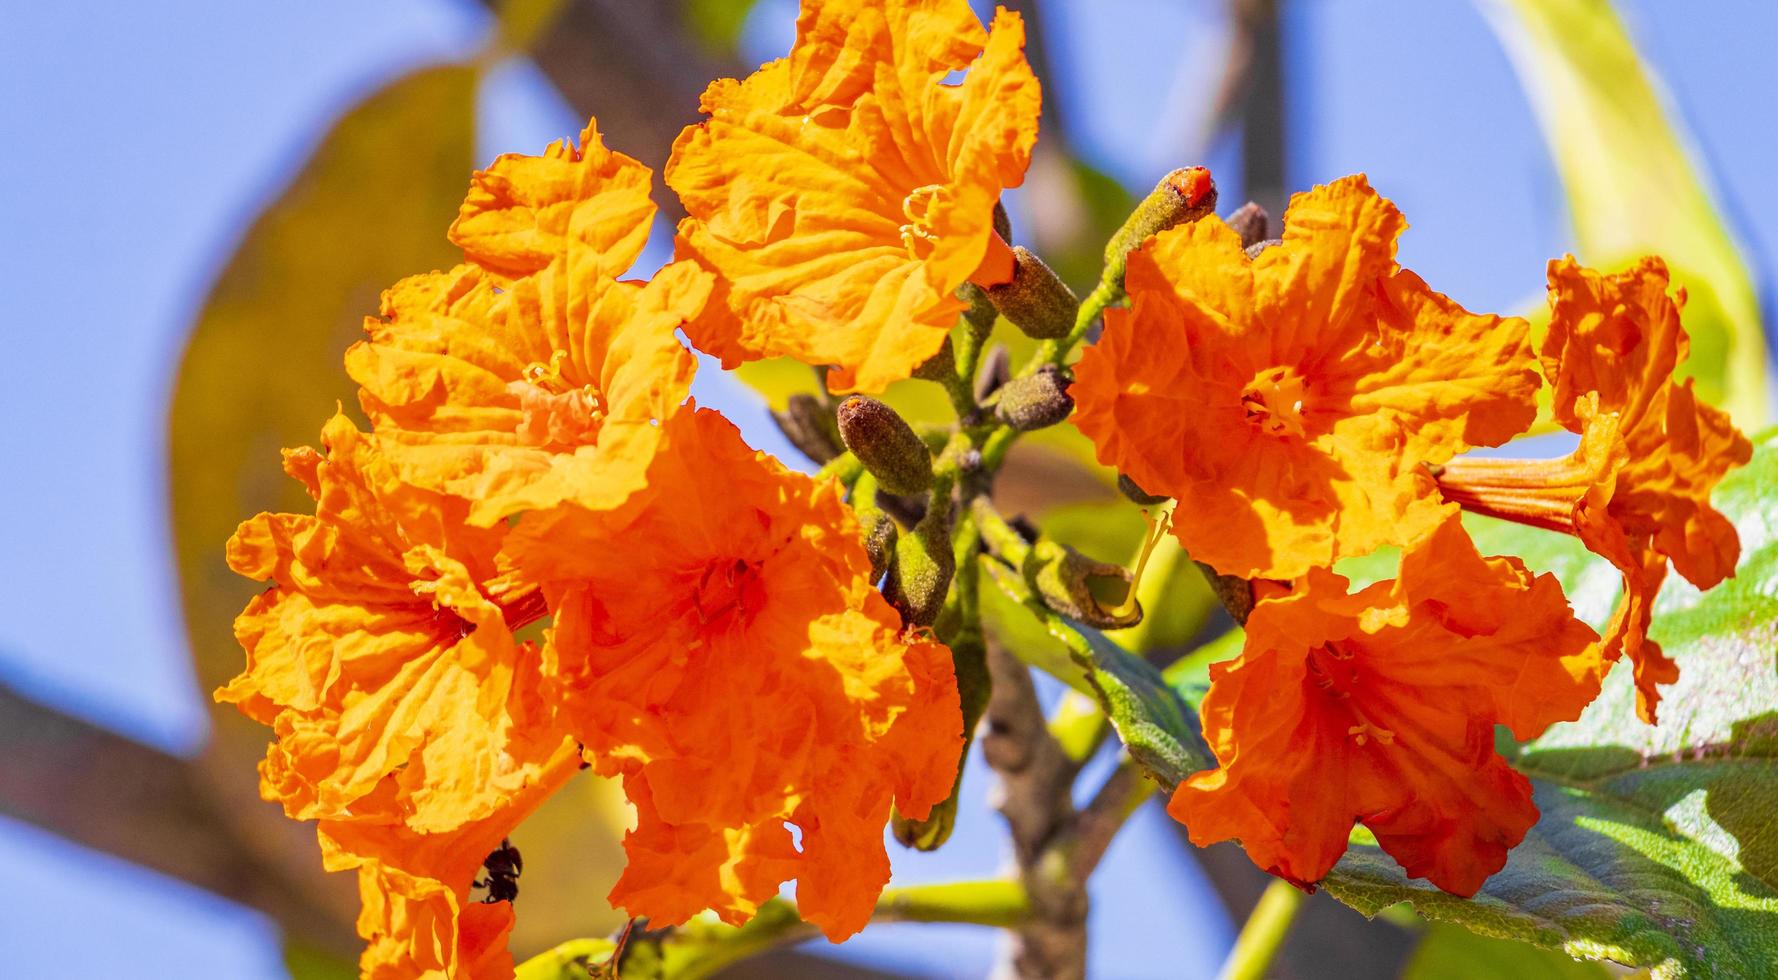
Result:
pixel 1160 733
pixel 1633 188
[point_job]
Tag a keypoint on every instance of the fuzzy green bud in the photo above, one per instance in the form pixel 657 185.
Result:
pixel 1184 195
pixel 810 426
pixel 1137 495
pixel 1251 222
pixel 1086 591
pixel 920 573
pixel 1037 301
pixel 886 445
pixel 1035 401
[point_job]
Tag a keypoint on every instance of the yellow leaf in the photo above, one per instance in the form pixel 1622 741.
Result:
pixel 1632 186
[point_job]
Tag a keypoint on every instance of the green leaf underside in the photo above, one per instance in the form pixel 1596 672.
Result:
pixel 1657 845
pixel 1449 952
pixel 1159 731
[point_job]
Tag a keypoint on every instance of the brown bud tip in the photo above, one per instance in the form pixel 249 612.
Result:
pixel 1037 401
pixel 995 371
pixel 1258 247
pixel 1002 222
pixel 809 425
pixel 886 445
pixel 1251 222
pixel 1184 195
pixel 1192 183
pixel 1136 494
pixel 1036 300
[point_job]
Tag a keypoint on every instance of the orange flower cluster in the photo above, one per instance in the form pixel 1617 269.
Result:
pixel 1311 401
pixel 713 635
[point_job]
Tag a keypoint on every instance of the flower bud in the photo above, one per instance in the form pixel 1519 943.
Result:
pixel 810 427
pixel 1037 301
pixel 879 542
pixel 995 371
pixel 1137 495
pixel 1086 591
pixel 1002 222
pixel 1251 222
pixel 1258 247
pixel 1184 195
pixel 886 445
pixel 1036 401
pixel 920 573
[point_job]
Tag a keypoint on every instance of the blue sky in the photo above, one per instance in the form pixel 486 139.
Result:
pixel 140 139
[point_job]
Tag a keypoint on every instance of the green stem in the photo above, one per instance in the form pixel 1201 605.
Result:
pixel 1263 935
pixel 705 945
pixel 845 468
pixel 1056 351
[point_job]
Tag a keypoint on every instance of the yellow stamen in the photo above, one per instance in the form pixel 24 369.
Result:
pixel 1156 529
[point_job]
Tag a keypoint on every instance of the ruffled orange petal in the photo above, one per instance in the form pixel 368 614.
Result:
pixel 1379 707
pixel 523 212
pixel 384 650
pixel 550 389
pixel 1291 402
pixel 844 193
pixel 741 673
pixel 419 916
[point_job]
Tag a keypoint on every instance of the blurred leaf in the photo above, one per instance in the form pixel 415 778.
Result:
pixel 1155 726
pixel 717 24
pixel 1455 953
pixel 522 22
pixel 1655 846
pixel 1632 186
pixel 262 371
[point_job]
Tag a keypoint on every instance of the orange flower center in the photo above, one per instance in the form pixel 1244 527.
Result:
pixel 1334 670
pixel 729 592
pixel 1274 402
pixel 917 235
pixel 557 413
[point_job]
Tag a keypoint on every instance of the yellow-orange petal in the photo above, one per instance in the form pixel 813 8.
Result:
pixel 523 212
pixel 845 193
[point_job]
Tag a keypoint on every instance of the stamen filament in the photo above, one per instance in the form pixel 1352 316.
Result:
pixel 1156 529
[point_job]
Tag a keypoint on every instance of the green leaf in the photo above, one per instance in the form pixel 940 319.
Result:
pixel 1656 845
pixel 1632 186
pixel 1160 733
pixel 1453 953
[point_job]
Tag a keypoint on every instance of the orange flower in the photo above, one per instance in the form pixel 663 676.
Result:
pixel 383 655
pixel 1290 401
pixel 740 673
pixel 420 917
pixel 524 212
pixel 519 394
pixel 844 193
pixel 1637 490
pixel 1379 708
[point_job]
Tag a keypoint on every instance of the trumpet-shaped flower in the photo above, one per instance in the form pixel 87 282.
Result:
pixel 1379 708
pixel 383 656
pixel 517 394
pixel 1290 401
pixel 844 193
pixel 740 674
pixel 1637 490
